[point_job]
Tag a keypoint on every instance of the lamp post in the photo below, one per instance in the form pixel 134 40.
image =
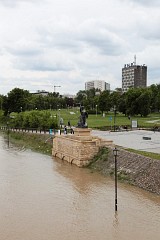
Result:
pixel 8 133
pixel 115 153
pixel 59 116
pixel 96 110
pixel 8 128
pixel 114 118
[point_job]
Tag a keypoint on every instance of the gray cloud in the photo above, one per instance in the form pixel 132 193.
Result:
pixel 14 3
pixel 145 2
pixel 72 42
pixel 92 34
pixel 97 34
pixel 41 63
pixel 44 66
pixel 107 43
pixel 27 52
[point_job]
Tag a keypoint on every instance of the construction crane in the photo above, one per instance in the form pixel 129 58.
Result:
pixel 55 88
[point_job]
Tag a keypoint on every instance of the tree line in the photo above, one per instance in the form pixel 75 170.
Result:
pixel 136 101
pixel 20 100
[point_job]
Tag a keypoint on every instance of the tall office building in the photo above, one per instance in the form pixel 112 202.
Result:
pixel 100 84
pixel 134 76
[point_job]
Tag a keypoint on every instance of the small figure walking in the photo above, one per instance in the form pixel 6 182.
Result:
pixel 65 130
pixel 72 131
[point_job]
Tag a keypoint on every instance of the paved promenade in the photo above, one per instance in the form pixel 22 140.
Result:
pixel 133 139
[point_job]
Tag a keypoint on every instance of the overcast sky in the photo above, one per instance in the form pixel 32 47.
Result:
pixel 68 42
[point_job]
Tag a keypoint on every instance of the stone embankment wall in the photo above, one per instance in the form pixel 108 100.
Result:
pixel 78 148
pixel 143 172
pixel 139 170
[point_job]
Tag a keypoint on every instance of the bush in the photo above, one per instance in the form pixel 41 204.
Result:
pixel 33 119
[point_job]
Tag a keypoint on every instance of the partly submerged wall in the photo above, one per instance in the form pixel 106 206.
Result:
pixel 136 169
pixel 78 148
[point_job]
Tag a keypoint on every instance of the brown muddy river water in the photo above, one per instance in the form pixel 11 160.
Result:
pixel 44 199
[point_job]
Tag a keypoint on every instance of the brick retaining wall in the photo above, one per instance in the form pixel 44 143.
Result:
pixel 143 171
pixel 139 170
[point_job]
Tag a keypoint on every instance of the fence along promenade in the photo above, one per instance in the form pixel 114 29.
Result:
pixel 35 130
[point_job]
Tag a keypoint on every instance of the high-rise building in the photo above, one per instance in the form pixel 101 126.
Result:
pixel 134 76
pixel 97 84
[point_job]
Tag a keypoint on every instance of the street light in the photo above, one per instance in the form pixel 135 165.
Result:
pixel 115 153
pixel 96 110
pixel 8 133
pixel 59 115
pixel 8 128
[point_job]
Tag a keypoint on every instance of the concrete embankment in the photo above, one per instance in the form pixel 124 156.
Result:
pixel 136 169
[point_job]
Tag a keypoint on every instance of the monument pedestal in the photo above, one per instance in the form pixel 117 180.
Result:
pixel 78 148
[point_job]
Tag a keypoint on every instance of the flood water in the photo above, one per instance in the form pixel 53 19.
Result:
pixel 42 198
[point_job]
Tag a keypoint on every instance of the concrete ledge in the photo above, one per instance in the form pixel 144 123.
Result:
pixel 82 131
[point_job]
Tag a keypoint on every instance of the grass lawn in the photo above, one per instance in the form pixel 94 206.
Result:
pixel 146 154
pixel 99 121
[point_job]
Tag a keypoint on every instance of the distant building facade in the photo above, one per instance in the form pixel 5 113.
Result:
pixel 134 76
pixel 100 84
pixel 68 95
pixel 41 92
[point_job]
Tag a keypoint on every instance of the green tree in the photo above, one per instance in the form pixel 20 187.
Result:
pixel 122 104
pixel 16 100
pixel 144 101
pixel 154 93
pixel 115 98
pixel 1 102
pixel 158 101
pixel 132 105
pixel 104 101
pixel 80 97
pixel 138 101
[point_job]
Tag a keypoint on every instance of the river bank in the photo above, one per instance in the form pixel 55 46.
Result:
pixel 38 142
pixel 133 168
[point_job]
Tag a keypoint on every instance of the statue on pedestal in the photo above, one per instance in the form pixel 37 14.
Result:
pixel 82 119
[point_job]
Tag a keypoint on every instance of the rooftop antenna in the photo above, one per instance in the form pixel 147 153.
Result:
pixel 134 59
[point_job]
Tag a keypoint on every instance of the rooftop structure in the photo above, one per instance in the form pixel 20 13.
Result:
pixel 41 92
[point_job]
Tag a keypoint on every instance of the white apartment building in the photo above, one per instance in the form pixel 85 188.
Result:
pixel 100 84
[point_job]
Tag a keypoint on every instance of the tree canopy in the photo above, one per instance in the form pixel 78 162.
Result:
pixel 133 102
